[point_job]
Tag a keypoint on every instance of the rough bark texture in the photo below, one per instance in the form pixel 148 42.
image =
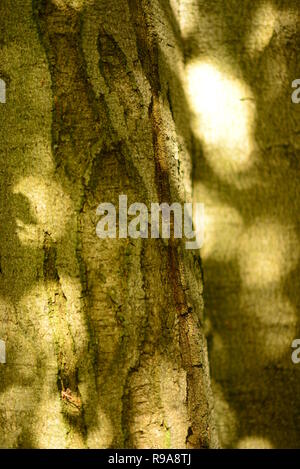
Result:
pixel 105 345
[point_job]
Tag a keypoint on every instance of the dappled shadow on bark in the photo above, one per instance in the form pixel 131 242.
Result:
pixel 119 338
pixel 96 363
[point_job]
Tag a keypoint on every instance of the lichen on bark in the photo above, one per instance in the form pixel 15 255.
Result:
pixel 105 338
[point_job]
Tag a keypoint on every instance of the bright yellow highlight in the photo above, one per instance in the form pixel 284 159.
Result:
pixel 254 442
pixel 266 252
pixel 275 318
pixel 49 204
pixel 52 430
pixel 224 116
pixel 222 225
pixel 281 316
pixel 75 4
pixel 262 28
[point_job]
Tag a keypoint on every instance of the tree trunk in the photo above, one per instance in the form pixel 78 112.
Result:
pixel 242 58
pixel 104 337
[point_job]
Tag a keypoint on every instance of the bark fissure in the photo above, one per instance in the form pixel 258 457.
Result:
pixel 189 344
pixel 111 313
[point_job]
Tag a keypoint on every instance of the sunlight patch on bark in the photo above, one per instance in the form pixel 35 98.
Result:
pixel 224 117
pixel 254 442
pixel 50 205
pixel 218 218
pixel 262 28
pixel 267 252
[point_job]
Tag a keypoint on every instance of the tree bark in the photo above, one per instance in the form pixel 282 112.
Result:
pixel 104 337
